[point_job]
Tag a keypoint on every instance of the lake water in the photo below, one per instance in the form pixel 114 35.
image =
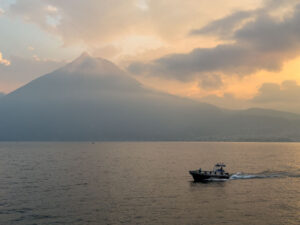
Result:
pixel 148 183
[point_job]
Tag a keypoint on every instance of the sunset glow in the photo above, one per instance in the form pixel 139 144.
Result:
pixel 151 34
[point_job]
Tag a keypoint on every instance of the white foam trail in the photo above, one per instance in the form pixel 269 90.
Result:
pixel 240 175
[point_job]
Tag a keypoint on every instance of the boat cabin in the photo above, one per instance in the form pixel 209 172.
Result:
pixel 218 168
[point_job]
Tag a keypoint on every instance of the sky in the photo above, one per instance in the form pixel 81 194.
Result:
pixel 230 53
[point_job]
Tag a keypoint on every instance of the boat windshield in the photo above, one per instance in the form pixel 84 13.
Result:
pixel 219 167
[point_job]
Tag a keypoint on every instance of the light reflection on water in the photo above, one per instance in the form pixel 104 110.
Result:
pixel 148 183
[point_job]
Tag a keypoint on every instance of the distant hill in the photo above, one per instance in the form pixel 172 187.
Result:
pixel 1 94
pixel 91 99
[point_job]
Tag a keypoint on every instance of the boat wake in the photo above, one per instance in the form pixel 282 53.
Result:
pixel 216 179
pixel 262 175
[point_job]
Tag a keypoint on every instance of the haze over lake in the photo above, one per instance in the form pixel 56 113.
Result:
pixel 148 183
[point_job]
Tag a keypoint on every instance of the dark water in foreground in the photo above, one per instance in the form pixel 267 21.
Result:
pixel 148 183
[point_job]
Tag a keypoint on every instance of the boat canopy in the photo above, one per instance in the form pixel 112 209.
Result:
pixel 220 165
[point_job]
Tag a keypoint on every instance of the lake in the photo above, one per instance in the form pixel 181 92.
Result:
pixel 148 183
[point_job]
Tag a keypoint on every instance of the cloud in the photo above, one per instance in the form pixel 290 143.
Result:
pixel 97 23
pixel 31 10
pixel 1 11
pixel 30 48
pixel 76 21
pixel 287 92
pixel 51 9
pixel 211 82
pixel 223 27
pixel 225 59
pixel 108 51
pixel 284 97
pixel 262 43
pixel 4 61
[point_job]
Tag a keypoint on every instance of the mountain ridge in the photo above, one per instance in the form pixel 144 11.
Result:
pixel 92 99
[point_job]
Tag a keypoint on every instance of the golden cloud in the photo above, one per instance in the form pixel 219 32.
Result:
pixel 4 61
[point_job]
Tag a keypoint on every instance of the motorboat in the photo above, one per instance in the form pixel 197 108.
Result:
pixel 218 172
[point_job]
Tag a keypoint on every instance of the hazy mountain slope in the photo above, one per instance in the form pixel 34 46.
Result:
pixel 92 99
pixel 271 113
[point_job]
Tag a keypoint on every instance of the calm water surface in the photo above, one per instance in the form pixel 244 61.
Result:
pixel 148 183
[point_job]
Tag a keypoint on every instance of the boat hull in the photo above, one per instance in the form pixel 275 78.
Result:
pixel 207 176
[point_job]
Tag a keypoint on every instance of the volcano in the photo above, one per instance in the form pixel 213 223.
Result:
pixel 91 99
